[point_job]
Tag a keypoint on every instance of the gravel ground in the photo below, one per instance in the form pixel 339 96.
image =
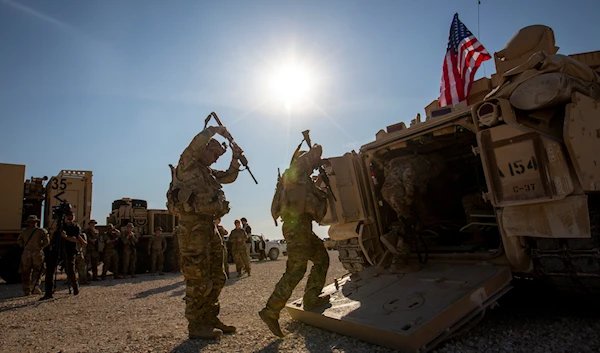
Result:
pixel 145 314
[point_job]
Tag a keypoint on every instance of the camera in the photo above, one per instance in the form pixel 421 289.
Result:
pixel 62 210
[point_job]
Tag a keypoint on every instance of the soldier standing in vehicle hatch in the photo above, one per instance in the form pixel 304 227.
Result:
pixel 406 180
pixel 130 240
pixel 33 240
pixel 299 202
pixel 195 195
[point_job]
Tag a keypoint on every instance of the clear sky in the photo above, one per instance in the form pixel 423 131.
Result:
pixel 121 87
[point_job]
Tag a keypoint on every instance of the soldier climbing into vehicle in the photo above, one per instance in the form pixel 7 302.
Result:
pixel 406 180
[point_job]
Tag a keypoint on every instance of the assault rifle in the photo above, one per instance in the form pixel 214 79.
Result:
pixel 234 146
pixel 322 172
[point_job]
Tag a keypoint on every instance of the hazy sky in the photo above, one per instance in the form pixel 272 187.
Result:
pixel 121 87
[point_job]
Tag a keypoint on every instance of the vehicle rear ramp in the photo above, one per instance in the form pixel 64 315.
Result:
pixel 411 312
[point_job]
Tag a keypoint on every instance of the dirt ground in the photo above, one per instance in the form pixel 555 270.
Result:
pixel 146 314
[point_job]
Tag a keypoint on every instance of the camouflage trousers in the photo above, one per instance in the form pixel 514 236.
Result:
pixel 241 259
pixel 202 252
pixel 32 266
pixel 158 259
pixel 93 257
pixel 129 260
pixel 111 262
pixel 81 266
pixel 302 245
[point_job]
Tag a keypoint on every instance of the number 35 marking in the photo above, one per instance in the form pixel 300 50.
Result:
pixel 56 185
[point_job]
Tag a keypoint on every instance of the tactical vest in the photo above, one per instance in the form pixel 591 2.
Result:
pixel 293 199
pixel 196 191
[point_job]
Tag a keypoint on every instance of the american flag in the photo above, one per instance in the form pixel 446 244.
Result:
pixel 463 57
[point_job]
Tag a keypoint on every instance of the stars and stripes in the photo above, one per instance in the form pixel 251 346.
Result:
pixel 463 57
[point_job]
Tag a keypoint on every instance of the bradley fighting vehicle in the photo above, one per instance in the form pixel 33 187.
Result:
pixel 21 198
pixel 525 152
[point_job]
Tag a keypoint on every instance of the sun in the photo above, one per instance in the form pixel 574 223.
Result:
pixel 290 84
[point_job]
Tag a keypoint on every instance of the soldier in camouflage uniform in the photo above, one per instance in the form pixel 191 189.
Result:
pixel 406 180
pixel 299 201
pixel 130 240
pixel 92 254
pixel 239 251
pixel 156 249
pixel 111 254
pixel 195 195
pixel 33 240
pixel 80 263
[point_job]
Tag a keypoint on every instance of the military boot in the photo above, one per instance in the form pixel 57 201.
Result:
pixel 272 320
pixel 205 333
pixel 390 240
pixel 312 304
pixel 225 328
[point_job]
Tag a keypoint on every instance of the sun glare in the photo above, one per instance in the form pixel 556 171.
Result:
pixel 290 85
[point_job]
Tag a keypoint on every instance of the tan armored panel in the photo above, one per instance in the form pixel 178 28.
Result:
pixel 74 186
pixel 522 45
pixel 11 189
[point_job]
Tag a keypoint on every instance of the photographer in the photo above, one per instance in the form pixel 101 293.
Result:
pixel 63 246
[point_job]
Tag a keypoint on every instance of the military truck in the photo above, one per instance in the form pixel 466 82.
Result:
pixel 129 210
pixel 518 197
pixel 21 198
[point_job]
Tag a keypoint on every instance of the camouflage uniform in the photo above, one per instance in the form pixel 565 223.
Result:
pixel 33 240
pixel 195 195
pixel 223 232
pixel 175 253
pixel 239 251
pixel 80 263
pixel 130 241
pixel 156 249
pixel 92 254
pixel 406 181
pixel 111 255
pixel 300 202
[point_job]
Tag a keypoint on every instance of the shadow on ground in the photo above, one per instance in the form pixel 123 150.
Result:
pixel 158 290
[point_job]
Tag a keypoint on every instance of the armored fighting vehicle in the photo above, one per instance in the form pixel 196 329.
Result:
pixel 517 197
pixel 21 198
pixel 128 210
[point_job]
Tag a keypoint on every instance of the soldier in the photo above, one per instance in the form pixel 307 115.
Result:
pixel 156 249
pixel 130 240
pixel 195 195
pixel 111 255
pixel 80 263
pixel 299 201
pixel 406 180
pixel 175 252
pixel 223 233
pixel 238 249
pixel 92 250
pixel 63 244
pixel 33 240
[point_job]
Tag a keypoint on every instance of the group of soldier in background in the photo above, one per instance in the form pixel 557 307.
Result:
pixel 81 252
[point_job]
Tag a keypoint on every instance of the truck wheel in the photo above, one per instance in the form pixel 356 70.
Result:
pixel 9 265
pixel 273 254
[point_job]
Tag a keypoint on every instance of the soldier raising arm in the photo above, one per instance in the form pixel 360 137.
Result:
pixel 196 195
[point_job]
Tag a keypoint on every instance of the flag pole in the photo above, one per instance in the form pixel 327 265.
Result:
pixel 479 35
